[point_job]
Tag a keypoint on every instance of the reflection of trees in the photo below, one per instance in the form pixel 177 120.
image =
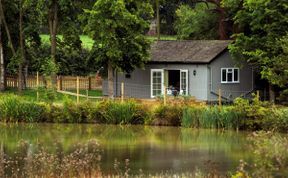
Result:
pixel 141 144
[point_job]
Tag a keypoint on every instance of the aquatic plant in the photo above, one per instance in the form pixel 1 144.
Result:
pixel 81 161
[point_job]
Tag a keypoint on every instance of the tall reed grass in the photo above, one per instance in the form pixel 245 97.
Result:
pixel 211 118
pixel 242 114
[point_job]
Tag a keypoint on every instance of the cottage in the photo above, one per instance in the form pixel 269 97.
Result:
pixel 195 68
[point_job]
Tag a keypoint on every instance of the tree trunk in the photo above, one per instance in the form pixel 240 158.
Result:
pixel 53 25
pixel 2 67
pixel 222 29
pixel 110 80
pixel 3 19
pixel 271 94
pixel 22 50
pixel 158 19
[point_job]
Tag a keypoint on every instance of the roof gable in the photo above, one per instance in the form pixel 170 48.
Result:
pixel 194 51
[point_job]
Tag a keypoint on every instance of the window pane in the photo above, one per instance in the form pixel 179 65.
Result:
pixel 236 77
pixel 224 75
pixel 230 77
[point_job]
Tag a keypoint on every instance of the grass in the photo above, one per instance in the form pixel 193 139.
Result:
pixel 31 95
pixel 87 42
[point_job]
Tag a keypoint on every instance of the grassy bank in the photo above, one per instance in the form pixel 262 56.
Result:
pixel 87 42
pixel 49 95
pixel 241 115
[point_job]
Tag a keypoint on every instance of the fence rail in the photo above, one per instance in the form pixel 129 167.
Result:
pixel 63 82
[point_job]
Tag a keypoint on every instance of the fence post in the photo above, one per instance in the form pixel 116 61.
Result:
pixel 122 92
pixel 87 95
pixel 165 96
pixel 58 83
pixel 257 95
pixel 37 85
pixel 89 83
pixel 77 86
pixel 220 98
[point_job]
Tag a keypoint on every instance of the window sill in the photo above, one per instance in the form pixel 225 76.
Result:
pixel 230 82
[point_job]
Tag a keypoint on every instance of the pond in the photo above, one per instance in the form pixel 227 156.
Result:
pixel 149 149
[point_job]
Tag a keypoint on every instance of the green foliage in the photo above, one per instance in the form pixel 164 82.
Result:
pixel 15 109
pixel 122 113
pixel 197 22
pixel 253 114
pixel 191 117
pixel 168 115
pixel 211 117
pixel 118 27
pixel 271 155
pixel 262 38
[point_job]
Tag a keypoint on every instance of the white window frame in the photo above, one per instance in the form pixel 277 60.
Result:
pixel 162 81
pixel 233 69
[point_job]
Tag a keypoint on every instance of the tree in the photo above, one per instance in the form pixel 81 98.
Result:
pixel 196 22
pixel 263 38
pixel 117 27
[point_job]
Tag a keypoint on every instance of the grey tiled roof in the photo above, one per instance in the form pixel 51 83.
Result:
pixel 194 51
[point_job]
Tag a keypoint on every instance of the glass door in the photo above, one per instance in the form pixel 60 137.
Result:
pixel 157 82
pixel 183 82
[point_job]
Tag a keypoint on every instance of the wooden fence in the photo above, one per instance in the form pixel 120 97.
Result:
pixel 63 82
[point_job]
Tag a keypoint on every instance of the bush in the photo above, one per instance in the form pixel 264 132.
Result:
pixel 168 115
pixel 276 119
pixel 253 114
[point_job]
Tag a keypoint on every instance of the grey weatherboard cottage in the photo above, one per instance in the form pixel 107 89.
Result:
pixel 195 68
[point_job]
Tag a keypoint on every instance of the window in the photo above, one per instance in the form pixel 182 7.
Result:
pixel 230 75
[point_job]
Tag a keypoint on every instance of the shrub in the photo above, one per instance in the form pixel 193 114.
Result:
pixel 168 115
pixel 253 114
pixel 276 119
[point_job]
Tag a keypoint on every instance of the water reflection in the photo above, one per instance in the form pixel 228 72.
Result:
pixel 152 149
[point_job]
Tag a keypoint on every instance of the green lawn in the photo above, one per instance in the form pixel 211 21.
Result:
pixel 88 42
pixel 31 94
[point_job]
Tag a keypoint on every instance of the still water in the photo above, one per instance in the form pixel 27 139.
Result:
pixel 151 149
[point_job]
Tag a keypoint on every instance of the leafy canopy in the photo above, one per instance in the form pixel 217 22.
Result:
pixel 196 22
pixel 118 27
pixel 263 40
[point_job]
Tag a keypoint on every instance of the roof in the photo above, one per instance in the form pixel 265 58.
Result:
pixel 194 51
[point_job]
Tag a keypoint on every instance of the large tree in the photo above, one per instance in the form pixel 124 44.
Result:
pixel 117 27
pixel 263 37
pixel 197 22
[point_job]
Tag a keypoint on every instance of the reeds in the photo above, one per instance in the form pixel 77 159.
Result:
pixel 210 118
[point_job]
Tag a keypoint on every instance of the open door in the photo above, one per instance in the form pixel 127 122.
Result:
pixel 184 82
pixel 157 82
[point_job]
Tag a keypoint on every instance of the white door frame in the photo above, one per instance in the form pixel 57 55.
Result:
pixel 162 81
pixel 187 88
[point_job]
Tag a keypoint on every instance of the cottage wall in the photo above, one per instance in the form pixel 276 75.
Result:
pixel 229 90
pixel 204 85
pixel 139 85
